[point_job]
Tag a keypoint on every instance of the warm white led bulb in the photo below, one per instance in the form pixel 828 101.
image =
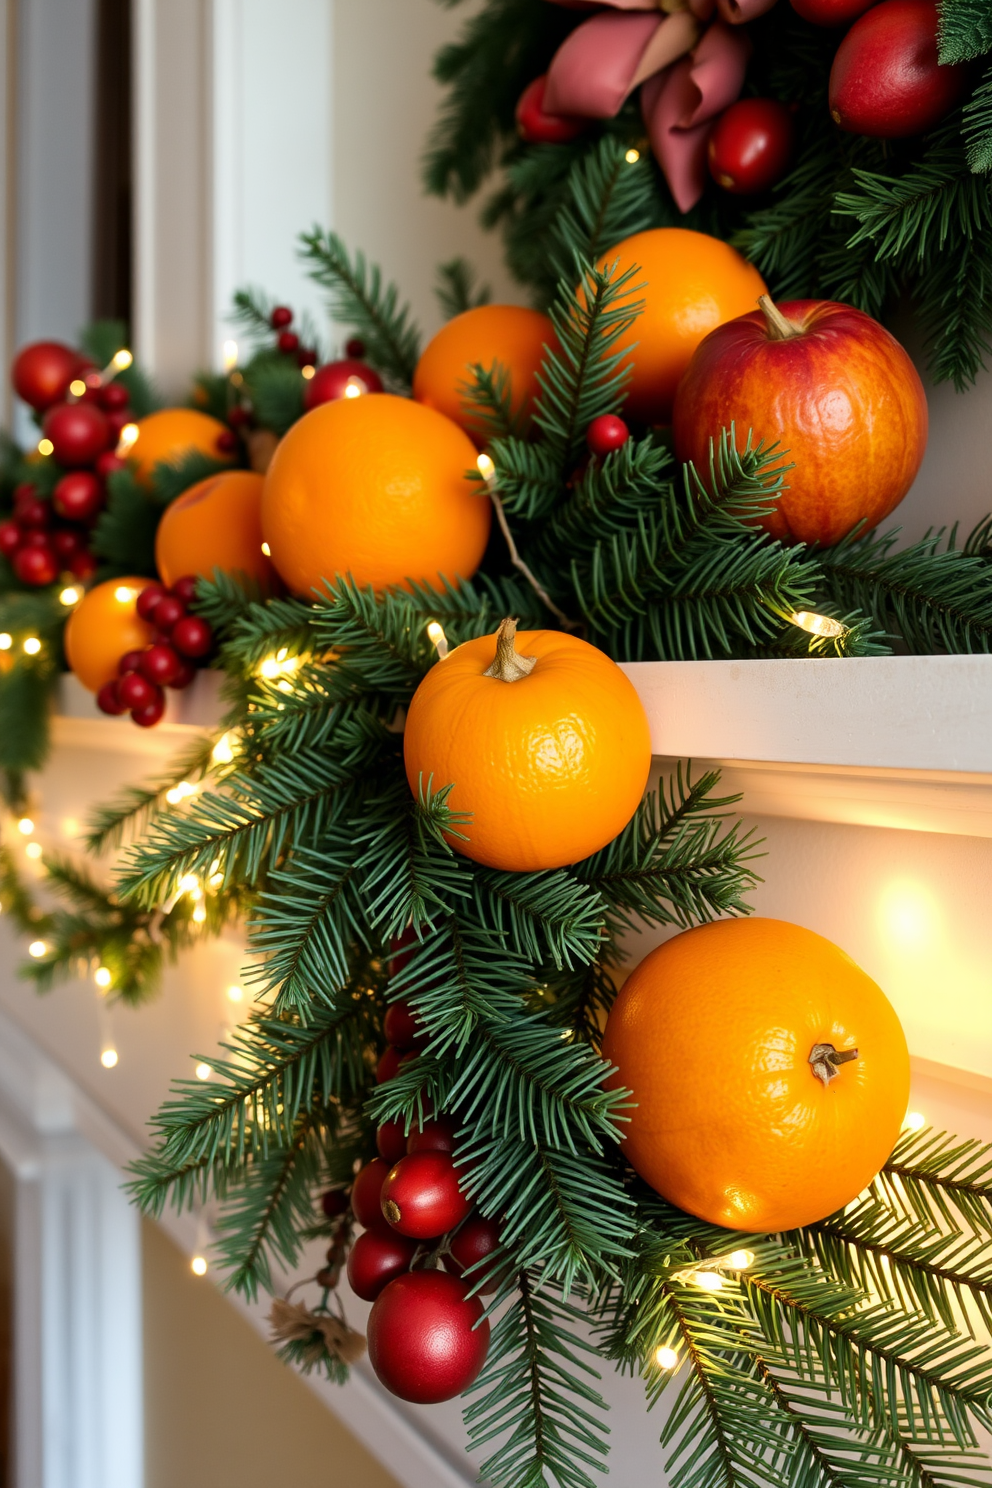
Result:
pixel 198 1265
pixel 235 994
pixel 37 949
pixel 666 1358
pixel 203 1071
pixel 486 467
pixel 915 1121
pixel 222 752
pixel 740 1260
pixel 102 976
pixel 31 645
pixel 122 359
pixel 266 550
pixel 709 1281
pixel 45 447
pixel 33 850
pixel 77 387
pixel 6 640
pixel 69 596
pixel 818 625
pixel 632 157
pixel 25 826
pixel 108 1058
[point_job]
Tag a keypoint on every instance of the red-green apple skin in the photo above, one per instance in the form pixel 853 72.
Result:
pixel 841 398
pixel 885 81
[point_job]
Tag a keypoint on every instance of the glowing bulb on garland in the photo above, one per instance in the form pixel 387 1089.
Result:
pixel 45 447
pixel 223 751
pixel 235 994
pixel 124 594
pixel 740 1260
pixel 230 355
pixel 122 360
pixel 915 1121
pixel 818 625
pixel 486 468
pixel 33 850
pixel 32 645
pixel 198 1265
pixel 102 976
pixel 126 441
pixel 438 639
pixel 25 826
pixel 632 156
pixel 307 372
pixel 69 596
pixel 77 387
pixel 203 1070
pixel 266 550
pixel 108 1058
pixel 708 1281
pixel 6 640
pixel 666 1358
pixel 37 949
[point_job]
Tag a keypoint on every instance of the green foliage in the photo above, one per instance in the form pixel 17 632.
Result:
pixel 456 288
pixel 977 126
pixel 100 341
pixel 965 30
pixel 359 301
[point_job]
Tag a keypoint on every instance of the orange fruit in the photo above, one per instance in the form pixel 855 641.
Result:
pixel 508 334
pixel 723 1035
pixel 691 284
pixel 551 765
pixel 376 487
pixel 171 434
pixel 102 627
pixel 215 524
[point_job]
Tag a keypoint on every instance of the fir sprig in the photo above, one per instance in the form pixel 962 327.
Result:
pixel 359 301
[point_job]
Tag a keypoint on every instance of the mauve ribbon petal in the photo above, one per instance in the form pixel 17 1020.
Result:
pixel 681 153
pixel 737 12
pixel 596 68
pixel 717 74
pixel 703 9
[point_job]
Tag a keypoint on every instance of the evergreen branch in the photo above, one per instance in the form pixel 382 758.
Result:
pixel 939 1181
pixel 965 30
pixel 541 916
pixel 457 290
pixel 976 126
pixel 130 813
pixel 611 194
pixel 359 301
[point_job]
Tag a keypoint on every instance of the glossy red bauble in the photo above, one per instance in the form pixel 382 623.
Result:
pixel 334 1203
pixel 388 1065
pixel 831 12
pixel 108 701
pixel 42 372
pixel 834 388
pixel 751 145
pixel 401 1025
pixel 168 612
pixel 160 664
pixel 606 434
pixel 476 1239
pixel 885 81
pixel 148 600
pixel 281 317
pixel 437 1135
pixel 366 1192
pixel 149 714
pixel 37 566
pixel 376 1259
pixel 427 1338
pixel 135 691
pixel 10 538
pixel 538 127
pixel 78 496
pixel 346 379
pixel 190 635
pixel 78 431
pixel 390 1141
pixel 185 588
pixel 421 1197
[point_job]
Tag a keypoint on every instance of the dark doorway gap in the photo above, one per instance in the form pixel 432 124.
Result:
pixel 113 174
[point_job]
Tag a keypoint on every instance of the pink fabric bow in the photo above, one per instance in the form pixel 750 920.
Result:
pixel 691 72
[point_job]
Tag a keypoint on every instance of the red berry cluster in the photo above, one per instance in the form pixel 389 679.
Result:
pixel 287 341
pixel 48 537
pixel 170 660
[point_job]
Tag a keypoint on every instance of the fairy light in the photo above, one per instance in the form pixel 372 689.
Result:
pixel 818 625
pixel 198 1265
pixel 915 1121
pixel 33 850
pixel 199 914
pixel 279 665
pixel 46 447
pixel 666 1358
pixel 223 751
pixel 31 645
pixel 102 976
pixel 108 1057
pixel 438 639
pixel 354 387
pixel 266 550
pixel 122 360
pixel 708 1281
pixel 25 826
pixel 69 596
pixel 203 1071
pixel 235 993
pixel 37 949
pixel 77 387
pixel 6 640
pixel 632 156
pixel 740 1260
pixel 188 884
pixel 180 792
pixel 486 468
pixel 126 441
pixel 124 594
pixel 307 372
pixel 229 353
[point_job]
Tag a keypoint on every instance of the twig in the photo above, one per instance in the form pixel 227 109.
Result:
pixel 518 562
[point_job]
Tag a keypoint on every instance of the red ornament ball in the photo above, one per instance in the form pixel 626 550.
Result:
pixel 366 1194
pixel 421 1197
pixel 427 1338
pixel 281 317
pixel 346 379
pixel 375 1260
pixel 476 1239
pixel 149 714
pixel 288 341
pixel 10 538
pixel 885 81
pixel 334 1203
pixel 190 635
pixel 390 1141
pixel 42 372
pixel 433 1136
pixel 538 127
pixel 36 565
pixel 751 145
pixel 78 496
pixel 78 431
pixel 606 434
pixel 135 691
pixel 108 701
pixel 160 664
pixel 401 1025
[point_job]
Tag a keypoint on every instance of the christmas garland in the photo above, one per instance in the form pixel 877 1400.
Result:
pixel 891 201
pixel 835 1353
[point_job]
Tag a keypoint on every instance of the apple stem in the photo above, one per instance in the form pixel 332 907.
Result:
pixel 780 327
pixel 508 665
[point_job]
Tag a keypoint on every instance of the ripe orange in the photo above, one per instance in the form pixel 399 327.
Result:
pixel 713 1033
pixel 168 436
pixel 102 627
pixel 692 283
pixel 508 334
pixel 551 766
pixel 215 524
pixel 376 487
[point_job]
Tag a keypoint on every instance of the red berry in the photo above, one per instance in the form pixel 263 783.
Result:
pixel 114 396
pixel 78 496
pixel 183 677
pixel 288 341
pixel 10 538
pixel 226 442
pixel 168 612
pixel 82 565
pixel 34 513
pixel 476 1239
pixel 78 431
pixel 24 491
pixel 401 1026
pixel 185 588
pixel 148 600
pixel 421 1197
pixel 160 664
pixel 149 715
pixel 191 635
pixel 388 1064
pixel 238 416
pixel 538 127
pixel 334 1202
pixel 366 1191
pixel 885 81
pixel 36 565
pixel 107 463
pixel 354 347
pixel 281 317
pixel 67 541
pixel 376 1259
pixel 36 537
pixel 108 701
pixel 129 662
pixel 43 371
pixel 135 691
pixel 340 380
pixel 306 356
pixel 433 1136
pixel 390 1141
pixel 751 145
pixel 116 419
pixel 606 434
pixel 427 1338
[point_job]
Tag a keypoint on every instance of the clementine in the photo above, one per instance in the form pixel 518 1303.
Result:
pixel 167 436
pixel 215 524
pixel 689 283
pixel 511 335
pixel 376 487
pixel 548 747
pixel 770 1073
pixel 102 627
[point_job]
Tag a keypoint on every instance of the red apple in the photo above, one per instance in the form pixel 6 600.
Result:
pixel 885 81
pixel 831 12
pixel 833 388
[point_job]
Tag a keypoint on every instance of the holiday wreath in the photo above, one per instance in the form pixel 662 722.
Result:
pixel 434 825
